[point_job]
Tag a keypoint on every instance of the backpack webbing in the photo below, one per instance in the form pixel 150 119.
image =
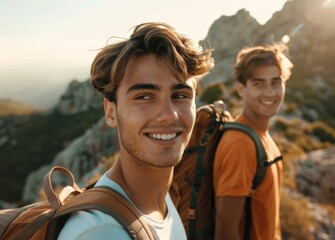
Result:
pixel 199 171
pixel 262 164
pixel 260 151
pixel 260 170
pixel 109 201
pixel 259 175
pixel 46 219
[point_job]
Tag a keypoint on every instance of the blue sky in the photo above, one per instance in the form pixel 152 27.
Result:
pixel 47 43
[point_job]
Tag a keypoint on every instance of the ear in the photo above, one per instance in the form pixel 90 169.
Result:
pixel 240 89
pixel 110 113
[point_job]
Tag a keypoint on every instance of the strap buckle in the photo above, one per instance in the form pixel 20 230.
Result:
pixel 191 214
pixel 252 192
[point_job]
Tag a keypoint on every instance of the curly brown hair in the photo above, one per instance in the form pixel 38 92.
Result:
pixel 250 58
pixel 185 59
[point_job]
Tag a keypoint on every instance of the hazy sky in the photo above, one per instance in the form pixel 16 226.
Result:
pixel 47 43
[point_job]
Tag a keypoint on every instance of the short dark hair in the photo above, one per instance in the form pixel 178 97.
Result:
pixel 185 59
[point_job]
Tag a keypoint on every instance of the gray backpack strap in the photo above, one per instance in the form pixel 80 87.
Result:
pixel 260 151
pixel 262 164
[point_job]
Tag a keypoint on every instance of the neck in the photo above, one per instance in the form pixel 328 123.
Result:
pixel 261 123
pixel 145 185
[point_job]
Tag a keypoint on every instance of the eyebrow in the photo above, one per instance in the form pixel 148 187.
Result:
pixel 181 86
pixel 143 86
pixel 257 79
pixel 263 79
pixel 149 86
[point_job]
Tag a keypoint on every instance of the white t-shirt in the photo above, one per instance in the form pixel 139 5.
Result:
pixel 94 224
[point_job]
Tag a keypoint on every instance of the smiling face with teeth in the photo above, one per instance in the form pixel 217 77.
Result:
pixel 154 113
pixel 262 94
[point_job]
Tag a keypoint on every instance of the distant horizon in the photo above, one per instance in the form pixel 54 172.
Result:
pixel 49 44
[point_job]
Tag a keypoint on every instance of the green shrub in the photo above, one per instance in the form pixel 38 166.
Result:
pixel 290 108
pixel 212 92
pixel 281 124
pixel 322 131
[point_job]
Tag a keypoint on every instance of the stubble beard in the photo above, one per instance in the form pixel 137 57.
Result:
pixel 142 159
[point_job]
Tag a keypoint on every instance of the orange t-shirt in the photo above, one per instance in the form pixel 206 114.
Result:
pixel 234 169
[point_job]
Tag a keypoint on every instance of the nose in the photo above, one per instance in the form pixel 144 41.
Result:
pixel 269 91
pixel 166 111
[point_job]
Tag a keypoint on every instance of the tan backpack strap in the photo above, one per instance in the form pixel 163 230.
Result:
pixel 55 200
pixel 110 202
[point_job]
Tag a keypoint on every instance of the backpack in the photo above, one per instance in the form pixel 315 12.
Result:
pixel 45 219
pixel 192 185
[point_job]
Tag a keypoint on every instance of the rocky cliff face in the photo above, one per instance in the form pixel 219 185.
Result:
pixel 226 36
pixel 315 180
pixel 78 97
pixel 81 156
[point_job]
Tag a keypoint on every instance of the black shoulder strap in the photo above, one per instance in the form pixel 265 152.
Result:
pixel 110 202
pixel 260 151
pixel 260 169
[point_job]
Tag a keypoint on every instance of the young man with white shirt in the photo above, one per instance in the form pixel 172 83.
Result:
pixel 149 84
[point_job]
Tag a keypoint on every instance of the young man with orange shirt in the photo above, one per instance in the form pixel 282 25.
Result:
pixel 261 74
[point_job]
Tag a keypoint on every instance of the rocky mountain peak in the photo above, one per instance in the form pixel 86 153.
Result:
pixel 78 97
pixel 227 33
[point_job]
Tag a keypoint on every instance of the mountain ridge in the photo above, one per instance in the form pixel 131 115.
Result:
pixel 10 107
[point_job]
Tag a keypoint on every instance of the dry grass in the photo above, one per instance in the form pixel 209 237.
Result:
pixel 110 160
pixel 10 107
pixel 295 218
pixel 330 209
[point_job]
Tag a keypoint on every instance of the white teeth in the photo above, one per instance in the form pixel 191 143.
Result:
pixel 163 137
pixel 268 102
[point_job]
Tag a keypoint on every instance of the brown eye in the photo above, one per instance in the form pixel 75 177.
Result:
pixel 277 82
pixel 143 97
pixel 179 96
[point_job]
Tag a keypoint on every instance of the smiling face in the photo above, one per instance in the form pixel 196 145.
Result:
pixel 154 113
pixel 263 94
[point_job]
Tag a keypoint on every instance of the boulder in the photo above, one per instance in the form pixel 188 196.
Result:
pixel 316 176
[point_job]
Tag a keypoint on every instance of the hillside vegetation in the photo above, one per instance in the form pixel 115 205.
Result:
pixel 34 142
pixel 11 107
